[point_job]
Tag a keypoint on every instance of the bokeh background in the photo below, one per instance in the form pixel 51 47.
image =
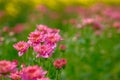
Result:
pixel 90 29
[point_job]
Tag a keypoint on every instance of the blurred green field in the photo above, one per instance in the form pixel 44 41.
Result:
pixel 89 56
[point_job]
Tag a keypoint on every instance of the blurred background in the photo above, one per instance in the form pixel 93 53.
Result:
pixel 90 28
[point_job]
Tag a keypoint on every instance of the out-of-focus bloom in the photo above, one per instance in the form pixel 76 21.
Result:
pixel 42 8
pixel 72 21
pixel 18 28
pixel 97 26
pixel 62 47
pixel 5 29
pixel 6 67
pixel 21 47
pixel 43 79
pixel 44 51
pixel 1 14
pixel 35 38
pixel 32 73
pixel 15 76
pixel 59 63
pixel 11 33
pixel 87 21
pixel 116 25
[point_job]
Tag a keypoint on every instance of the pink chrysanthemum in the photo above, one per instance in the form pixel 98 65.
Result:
pixel 7 67
pixel 35 38
pixel 15 76
pixel 53 38
pixel 22 47
pixel 43 28
pixel 59 63
pixel 32 73
pixel 44 51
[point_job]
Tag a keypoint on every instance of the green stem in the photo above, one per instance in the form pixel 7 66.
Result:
pixel 57 74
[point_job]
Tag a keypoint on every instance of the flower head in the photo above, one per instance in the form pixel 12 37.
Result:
pixel 62 47
pixel 15 76
pixel 59 63
pixel 53 38
pixel 32 72
pixel 7 67
pixel 21 47
pixel 35 38
pixel 44 51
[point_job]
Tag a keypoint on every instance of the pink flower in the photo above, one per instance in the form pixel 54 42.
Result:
pixel 32 73
pixel 116 25
pixel 42 8
pixel 43 79
pixel 97 26
pixel 35 38
pixel 43 28
pixel 87 21
pixel 54 31
pixel 44 51
pixel 7 67
pixel 15 76
pixel 59 63
pixel 18 28
pixel 62 47
pixel 6 29
pixel 21 47
pixel 52 38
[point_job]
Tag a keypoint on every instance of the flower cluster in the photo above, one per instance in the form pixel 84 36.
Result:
pixel 9 69
pixel 43 40
pixel 59 63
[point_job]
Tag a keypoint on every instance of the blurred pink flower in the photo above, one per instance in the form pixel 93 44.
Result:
pixel 59 63
pixel 15 76
pixel 42 8
pixel 87 21
pixel 116 25
pixel 18 28
pixel 6 67
pixel 6 29
pixel 97 26
pixel 2 13
pixel 21 47
pixel 62 47
pixel 32 73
